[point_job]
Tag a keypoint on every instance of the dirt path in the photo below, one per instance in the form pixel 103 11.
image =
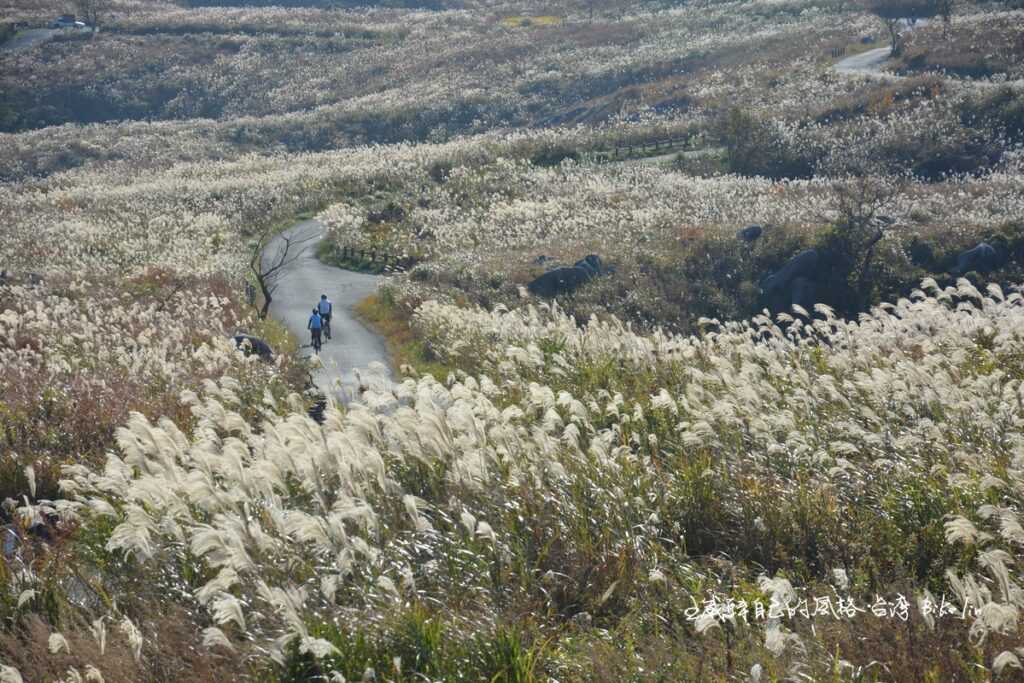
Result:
pixel 348 356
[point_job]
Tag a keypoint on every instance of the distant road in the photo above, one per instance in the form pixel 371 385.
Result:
pixel 869 62
pixel 353 347
pixel 670 157
pixel 28 39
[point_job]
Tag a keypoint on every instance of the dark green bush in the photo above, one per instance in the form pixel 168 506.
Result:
pixel 754 147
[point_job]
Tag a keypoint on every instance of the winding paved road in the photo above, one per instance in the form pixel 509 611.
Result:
pixel 869 62
pixel 347 358
pixel 669 158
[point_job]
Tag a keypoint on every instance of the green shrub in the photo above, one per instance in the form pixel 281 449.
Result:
pixel 416 644
pixel 754 147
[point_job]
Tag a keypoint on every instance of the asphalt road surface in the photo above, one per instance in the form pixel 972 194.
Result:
pixel 869 62
pixel 671 157
pixel 354 356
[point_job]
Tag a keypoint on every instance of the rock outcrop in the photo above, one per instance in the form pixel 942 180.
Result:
pixel 566 279
pixel 795 284
pixel 803 265
pixel 751 233
pixel 981 259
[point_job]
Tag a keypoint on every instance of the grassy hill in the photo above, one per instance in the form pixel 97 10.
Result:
pixel 670 473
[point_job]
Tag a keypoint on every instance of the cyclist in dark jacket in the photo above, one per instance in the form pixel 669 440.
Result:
pixel 325 308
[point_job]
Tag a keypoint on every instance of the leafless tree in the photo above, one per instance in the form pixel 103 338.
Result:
pixel 893 12
pixel 945 10
pixel 268 263
pixel 861 225
pixel 602 8
pixel 865 188
pixel 93 12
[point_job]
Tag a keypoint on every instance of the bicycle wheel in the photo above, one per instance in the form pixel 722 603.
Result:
pixel 327 328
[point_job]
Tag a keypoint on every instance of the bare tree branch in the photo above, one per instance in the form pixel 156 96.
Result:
pixel 93 12
pixel 893 12
pixel 267 269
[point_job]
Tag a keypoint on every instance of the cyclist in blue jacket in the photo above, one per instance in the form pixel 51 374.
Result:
pixel 314 326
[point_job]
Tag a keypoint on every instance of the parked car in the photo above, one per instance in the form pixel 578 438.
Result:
pixel 67 21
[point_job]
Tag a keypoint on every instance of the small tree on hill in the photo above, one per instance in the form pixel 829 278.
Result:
pixel 864 190
pixel 271 257
pixel 754 147
pixel 892 12
pixel 93 12
pixel 602 8
pixel 945 10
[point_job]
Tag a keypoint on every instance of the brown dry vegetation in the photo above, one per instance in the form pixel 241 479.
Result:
pixel 49 419
pixel 173 651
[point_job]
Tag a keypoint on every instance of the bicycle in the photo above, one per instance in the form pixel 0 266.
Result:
pixel 327 325
pixel 316 343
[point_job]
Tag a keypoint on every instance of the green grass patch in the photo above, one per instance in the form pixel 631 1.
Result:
pixel 857 47
pixel 331 254
pixel 275 333
pixel 418 644
pixel 391 321
pixel 527 22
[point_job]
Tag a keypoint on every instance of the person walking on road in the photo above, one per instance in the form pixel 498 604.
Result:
pixel 314 326
pixel 324 308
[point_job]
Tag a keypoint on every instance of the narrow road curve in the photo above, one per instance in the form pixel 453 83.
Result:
pixel 347 357
pixel 869 62
pixel 668 158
